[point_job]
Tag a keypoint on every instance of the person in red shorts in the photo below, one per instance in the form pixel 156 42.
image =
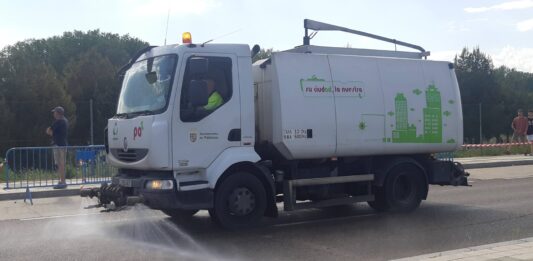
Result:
pixel 530 130
pixel 519 126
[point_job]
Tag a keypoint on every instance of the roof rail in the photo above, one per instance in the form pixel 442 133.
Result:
pixel 319 26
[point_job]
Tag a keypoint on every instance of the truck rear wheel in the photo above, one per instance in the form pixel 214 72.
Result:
pixel 240 201
pixel 180 214
pixel 402 190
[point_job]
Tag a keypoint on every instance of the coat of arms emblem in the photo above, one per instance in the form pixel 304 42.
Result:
pixel 193 136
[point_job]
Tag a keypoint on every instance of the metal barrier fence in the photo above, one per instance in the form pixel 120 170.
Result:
pixel 29 167
pixel 494 145
pixel 445 156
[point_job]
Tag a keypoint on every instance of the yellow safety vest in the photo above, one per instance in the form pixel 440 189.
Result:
pixel 214 101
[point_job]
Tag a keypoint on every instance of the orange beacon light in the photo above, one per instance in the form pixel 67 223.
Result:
pixel 186 38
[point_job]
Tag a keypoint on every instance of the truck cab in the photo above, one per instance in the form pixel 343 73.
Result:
pixel 165 134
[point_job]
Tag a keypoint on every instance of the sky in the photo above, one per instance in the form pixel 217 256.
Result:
pixel 502 29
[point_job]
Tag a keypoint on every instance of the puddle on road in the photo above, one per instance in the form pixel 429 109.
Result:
pixel 138 228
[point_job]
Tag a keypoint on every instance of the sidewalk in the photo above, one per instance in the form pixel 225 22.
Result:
pixel 495 161
pixel 505 251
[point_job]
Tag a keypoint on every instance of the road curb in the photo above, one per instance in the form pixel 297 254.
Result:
pixel 496 164
pixel 476 252
pixel 40 194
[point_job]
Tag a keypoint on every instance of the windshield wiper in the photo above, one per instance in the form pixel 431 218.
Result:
pixel 145 112
pixel 129 115
pixel 121 115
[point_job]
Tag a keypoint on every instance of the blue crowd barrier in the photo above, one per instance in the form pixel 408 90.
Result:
pixel 29 167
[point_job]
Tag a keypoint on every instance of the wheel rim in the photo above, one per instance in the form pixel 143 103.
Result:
pixel 403 189
pixel 241 201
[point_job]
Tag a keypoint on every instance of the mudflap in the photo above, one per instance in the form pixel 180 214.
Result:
pixel 448 173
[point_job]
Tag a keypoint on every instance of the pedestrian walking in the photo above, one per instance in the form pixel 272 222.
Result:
pixel 59 131
pixel 530 131
pixel 519 126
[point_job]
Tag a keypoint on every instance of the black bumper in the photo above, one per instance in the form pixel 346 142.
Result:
pixel 447 173
pixel 194 199
pixel 165 199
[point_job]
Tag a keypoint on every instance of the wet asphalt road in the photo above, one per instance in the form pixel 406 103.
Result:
pixel 491 211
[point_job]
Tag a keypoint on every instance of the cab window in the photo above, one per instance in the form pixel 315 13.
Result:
pixel 204 93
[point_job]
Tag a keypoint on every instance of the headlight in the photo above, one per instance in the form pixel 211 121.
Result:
pixel 160 184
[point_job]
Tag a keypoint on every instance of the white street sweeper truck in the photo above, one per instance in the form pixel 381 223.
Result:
pixel 199 127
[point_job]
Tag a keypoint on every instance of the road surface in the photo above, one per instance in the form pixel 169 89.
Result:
pixel 498 207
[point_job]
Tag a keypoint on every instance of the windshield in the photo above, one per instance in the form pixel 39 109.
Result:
pixel 146 86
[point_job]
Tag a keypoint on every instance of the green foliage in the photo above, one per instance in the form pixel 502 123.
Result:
pixel 92 76
pixel 417 91
pixel 500 91
pixel 362 125
pixel 67 70
pixel 492 151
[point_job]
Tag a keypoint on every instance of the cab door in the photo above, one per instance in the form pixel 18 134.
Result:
pixel 201 133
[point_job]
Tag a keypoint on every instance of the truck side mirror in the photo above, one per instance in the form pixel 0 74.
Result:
pixel 198 95
pixel 151 77
pixel 198 66
pixel 255 50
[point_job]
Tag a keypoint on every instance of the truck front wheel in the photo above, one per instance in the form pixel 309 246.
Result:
pixel 240 201
pixel 402 190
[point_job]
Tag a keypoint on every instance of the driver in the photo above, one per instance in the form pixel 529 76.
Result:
pixel 215 99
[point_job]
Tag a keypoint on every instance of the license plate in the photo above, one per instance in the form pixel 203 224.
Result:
pixel 126 183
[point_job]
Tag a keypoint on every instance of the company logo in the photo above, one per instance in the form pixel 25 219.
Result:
pixel 115 130
pixel 138 131
pixel 125 144
pixel 315 86
pixel 193 136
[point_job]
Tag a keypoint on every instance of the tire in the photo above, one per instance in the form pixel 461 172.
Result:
pixel 180 214
pixel 240 201
pixel 402 190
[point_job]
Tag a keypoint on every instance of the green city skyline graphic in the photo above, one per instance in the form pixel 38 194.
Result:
pixel 404 132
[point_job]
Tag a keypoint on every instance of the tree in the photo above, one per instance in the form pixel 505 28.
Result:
pixel 477 82
pixel 92 77
pixel 67 70
pixel 500 91
pixel 31 90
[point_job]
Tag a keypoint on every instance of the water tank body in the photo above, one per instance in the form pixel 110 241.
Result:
pixel 311 105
